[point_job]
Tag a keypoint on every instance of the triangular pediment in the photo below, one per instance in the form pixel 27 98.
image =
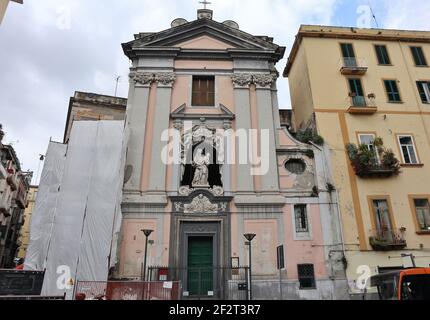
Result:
pixel 202 34
pixel 205 42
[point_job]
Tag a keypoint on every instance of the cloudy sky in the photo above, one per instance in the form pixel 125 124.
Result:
pixel 51 48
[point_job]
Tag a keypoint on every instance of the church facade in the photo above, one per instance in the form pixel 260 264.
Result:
pixel 208 162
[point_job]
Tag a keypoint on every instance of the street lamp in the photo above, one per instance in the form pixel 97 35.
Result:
pixel 147 233
pixel 250 237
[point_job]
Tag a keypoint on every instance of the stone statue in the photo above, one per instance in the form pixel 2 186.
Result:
pixel 201 175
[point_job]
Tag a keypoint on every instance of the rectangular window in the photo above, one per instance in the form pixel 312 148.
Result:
pixel 356 92
pixel 382 54
pixel 306 276
pixel 301 218
pixel 424 90
pixel 382 216
pixel 408 149
pixel 419 58
pixel 368 140
pixel 203 91
pixel 392 91
pixel 422 211
pixel 348 55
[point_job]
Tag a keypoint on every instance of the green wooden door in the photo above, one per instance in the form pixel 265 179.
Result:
pixel 200 265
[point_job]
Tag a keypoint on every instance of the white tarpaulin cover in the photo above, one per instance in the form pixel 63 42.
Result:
pixel 42 220
pixel 88 215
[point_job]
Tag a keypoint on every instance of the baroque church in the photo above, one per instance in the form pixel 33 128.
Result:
pixel 209 162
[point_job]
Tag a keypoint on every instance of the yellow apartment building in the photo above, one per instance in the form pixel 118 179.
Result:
pixel 24 238
pixel 367 93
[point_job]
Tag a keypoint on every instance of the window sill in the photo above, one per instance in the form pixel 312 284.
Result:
pixel 423 66
pixel 308 289
pixel 385 65
pixel 395 102
pixel 407 165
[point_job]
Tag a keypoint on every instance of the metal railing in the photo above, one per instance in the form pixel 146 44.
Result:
pixel 362 101
pixel 387 238
pixel 227 283
pixel 128 290
pixel 353 63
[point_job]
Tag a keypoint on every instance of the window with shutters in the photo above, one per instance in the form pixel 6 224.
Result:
pixel 424 91
pixel 422 212
pixel 393 92
pixel 419 57
pixel 407 147
pixel 382 54
pixel 203 94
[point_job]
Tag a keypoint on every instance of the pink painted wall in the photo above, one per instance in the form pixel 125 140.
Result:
pixel 304 252
pixel 204 42
pixel 133 246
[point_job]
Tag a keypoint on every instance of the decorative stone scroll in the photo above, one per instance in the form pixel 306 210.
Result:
pixel 260 80
pixel 242 79
pixel 147 78
pixel 201 204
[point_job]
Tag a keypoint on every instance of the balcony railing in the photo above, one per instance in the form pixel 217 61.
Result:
pixel 362 104
pixel 388 239
pixel 353 66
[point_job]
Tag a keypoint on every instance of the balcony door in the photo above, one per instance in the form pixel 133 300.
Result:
pixel 348 55
pixel 383 221
pixel 357 92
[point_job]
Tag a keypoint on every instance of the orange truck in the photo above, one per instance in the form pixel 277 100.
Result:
pixel 407 284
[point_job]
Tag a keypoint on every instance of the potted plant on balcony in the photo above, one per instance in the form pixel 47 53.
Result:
pixel 380 162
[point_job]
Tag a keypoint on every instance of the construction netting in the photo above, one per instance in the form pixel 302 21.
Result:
pixel 77 217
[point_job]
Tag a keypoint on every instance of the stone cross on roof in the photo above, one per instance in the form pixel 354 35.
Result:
pixel 205 3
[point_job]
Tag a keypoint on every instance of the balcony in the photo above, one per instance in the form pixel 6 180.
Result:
pixel 353 66
pixel 362 104
pixel 388 239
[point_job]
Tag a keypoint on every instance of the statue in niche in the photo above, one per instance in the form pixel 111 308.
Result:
pixel 201 174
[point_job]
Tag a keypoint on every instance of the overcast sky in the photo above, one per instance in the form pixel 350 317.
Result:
pixel 51 48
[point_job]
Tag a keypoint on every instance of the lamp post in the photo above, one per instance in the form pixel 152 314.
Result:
pixel 249 237
pixel 147 233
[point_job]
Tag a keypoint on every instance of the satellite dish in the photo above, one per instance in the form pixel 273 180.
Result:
pixel 178 22
pixel 231 24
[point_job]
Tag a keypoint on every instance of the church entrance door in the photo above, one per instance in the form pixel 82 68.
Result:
pixel 200 265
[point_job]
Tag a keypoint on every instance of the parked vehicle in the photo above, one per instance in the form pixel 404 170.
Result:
pixel 407 284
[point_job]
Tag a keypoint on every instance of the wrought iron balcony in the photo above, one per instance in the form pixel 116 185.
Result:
pixel 353 66
pixel 362 104
pixel 388 239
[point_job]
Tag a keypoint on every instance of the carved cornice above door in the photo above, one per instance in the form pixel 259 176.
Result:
pixel 147 78
pixel 201 202
pixel 181 114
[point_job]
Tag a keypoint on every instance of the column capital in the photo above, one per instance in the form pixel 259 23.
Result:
pixel 264 81
pixel 143 78
pixel 165 79
pixel 242 80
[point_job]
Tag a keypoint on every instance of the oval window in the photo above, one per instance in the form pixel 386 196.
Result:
pixel 296 166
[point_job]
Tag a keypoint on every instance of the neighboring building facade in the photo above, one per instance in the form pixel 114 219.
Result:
pixel 14 185
pixel 199 80
pixel 24 238
pixel 3 7
pixel 354 86
pixel 85 106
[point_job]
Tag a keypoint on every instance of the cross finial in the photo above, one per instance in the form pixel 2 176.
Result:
pixel 205 3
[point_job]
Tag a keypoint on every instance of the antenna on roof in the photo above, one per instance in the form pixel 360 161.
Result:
pixel 117 78
pixel 374 16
